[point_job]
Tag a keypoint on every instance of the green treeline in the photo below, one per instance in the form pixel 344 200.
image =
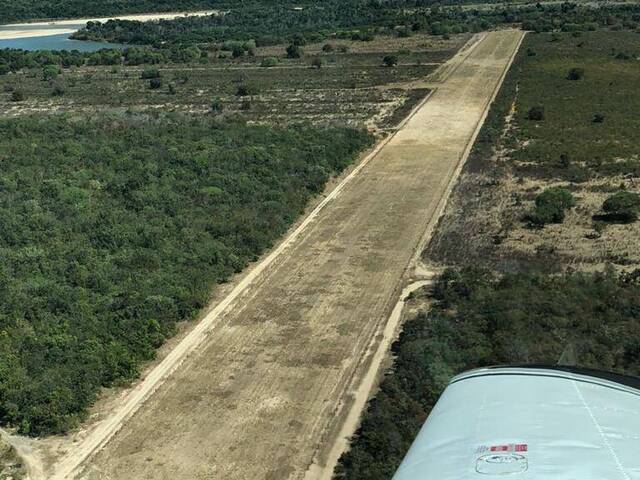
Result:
pixel 277 23
pixel 14 60
pixel 480 320
pixel 113 230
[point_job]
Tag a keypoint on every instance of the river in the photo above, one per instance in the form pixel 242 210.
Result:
pixel 55 35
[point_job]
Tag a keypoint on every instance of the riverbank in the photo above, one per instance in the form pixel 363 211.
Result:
pixel 59 27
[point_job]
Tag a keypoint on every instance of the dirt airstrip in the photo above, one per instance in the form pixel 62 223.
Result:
pixel 260 387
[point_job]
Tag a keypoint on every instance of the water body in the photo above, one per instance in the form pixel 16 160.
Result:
pixel 55 42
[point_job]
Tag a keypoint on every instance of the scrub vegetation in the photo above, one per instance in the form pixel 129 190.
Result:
pixel 479 319
pixel 558 150
pixel 352 86
pixel 113 229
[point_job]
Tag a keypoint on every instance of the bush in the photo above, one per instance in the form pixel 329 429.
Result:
pixel 294 51
pixel 622 207
pixel 269 62
pixel 216 106
pixel 245 90
pixel 155 83
pixel 575 74
pixel 49 72
pixel 598 118
pixel 150 73
pixel 536 113
pixel 58 90
pixel 390 60
pixel 317 62
pixel 551 205
pixel 18 96
pixel 327 48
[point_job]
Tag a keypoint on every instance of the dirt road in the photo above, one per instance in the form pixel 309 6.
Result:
pixel 276 359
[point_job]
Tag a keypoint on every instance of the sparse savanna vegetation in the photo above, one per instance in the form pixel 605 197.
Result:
pixel 328 88
pixel 558 150
pixel 115 228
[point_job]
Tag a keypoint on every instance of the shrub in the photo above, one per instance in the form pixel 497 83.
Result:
pixel 551 205
pixel 390 60
pixel 245 90
pixel 4 68
pixel 58 90
pixel 269 62
pixel 536 113
pixel 317 62
pixel 598 118
pixel 298 40
pixel 237 51
pixel 155 83
pixel 150 73
pixel 49 72
pixel 18 96
pixel 622 207
pixel 343 48
pixel 216 106
pixel 327 48
pixel 294 51
pixel 575 74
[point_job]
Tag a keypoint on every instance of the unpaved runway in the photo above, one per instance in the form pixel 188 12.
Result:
pixel 261 393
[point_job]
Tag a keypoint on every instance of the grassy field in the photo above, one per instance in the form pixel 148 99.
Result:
pixel 352 87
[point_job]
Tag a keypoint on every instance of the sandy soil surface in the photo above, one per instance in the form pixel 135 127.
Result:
pixel 269 369
pixel 58 27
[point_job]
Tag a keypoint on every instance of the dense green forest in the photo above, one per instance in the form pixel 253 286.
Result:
pixel 277 23
pixel 479 320
pixel 112 230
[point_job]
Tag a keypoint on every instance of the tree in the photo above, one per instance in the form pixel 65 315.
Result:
pixel 598 118
pixel 551 205
pixel 390 60
pixel 575 74
pixel 536 113
pixel 294 51
pixel 155 83
pixel 622 207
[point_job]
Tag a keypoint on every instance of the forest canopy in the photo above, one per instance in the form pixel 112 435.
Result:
pixel 114 229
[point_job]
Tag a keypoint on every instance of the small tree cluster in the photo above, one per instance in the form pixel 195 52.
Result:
pixel 551 205
pixel 622 207
pixel 536 113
